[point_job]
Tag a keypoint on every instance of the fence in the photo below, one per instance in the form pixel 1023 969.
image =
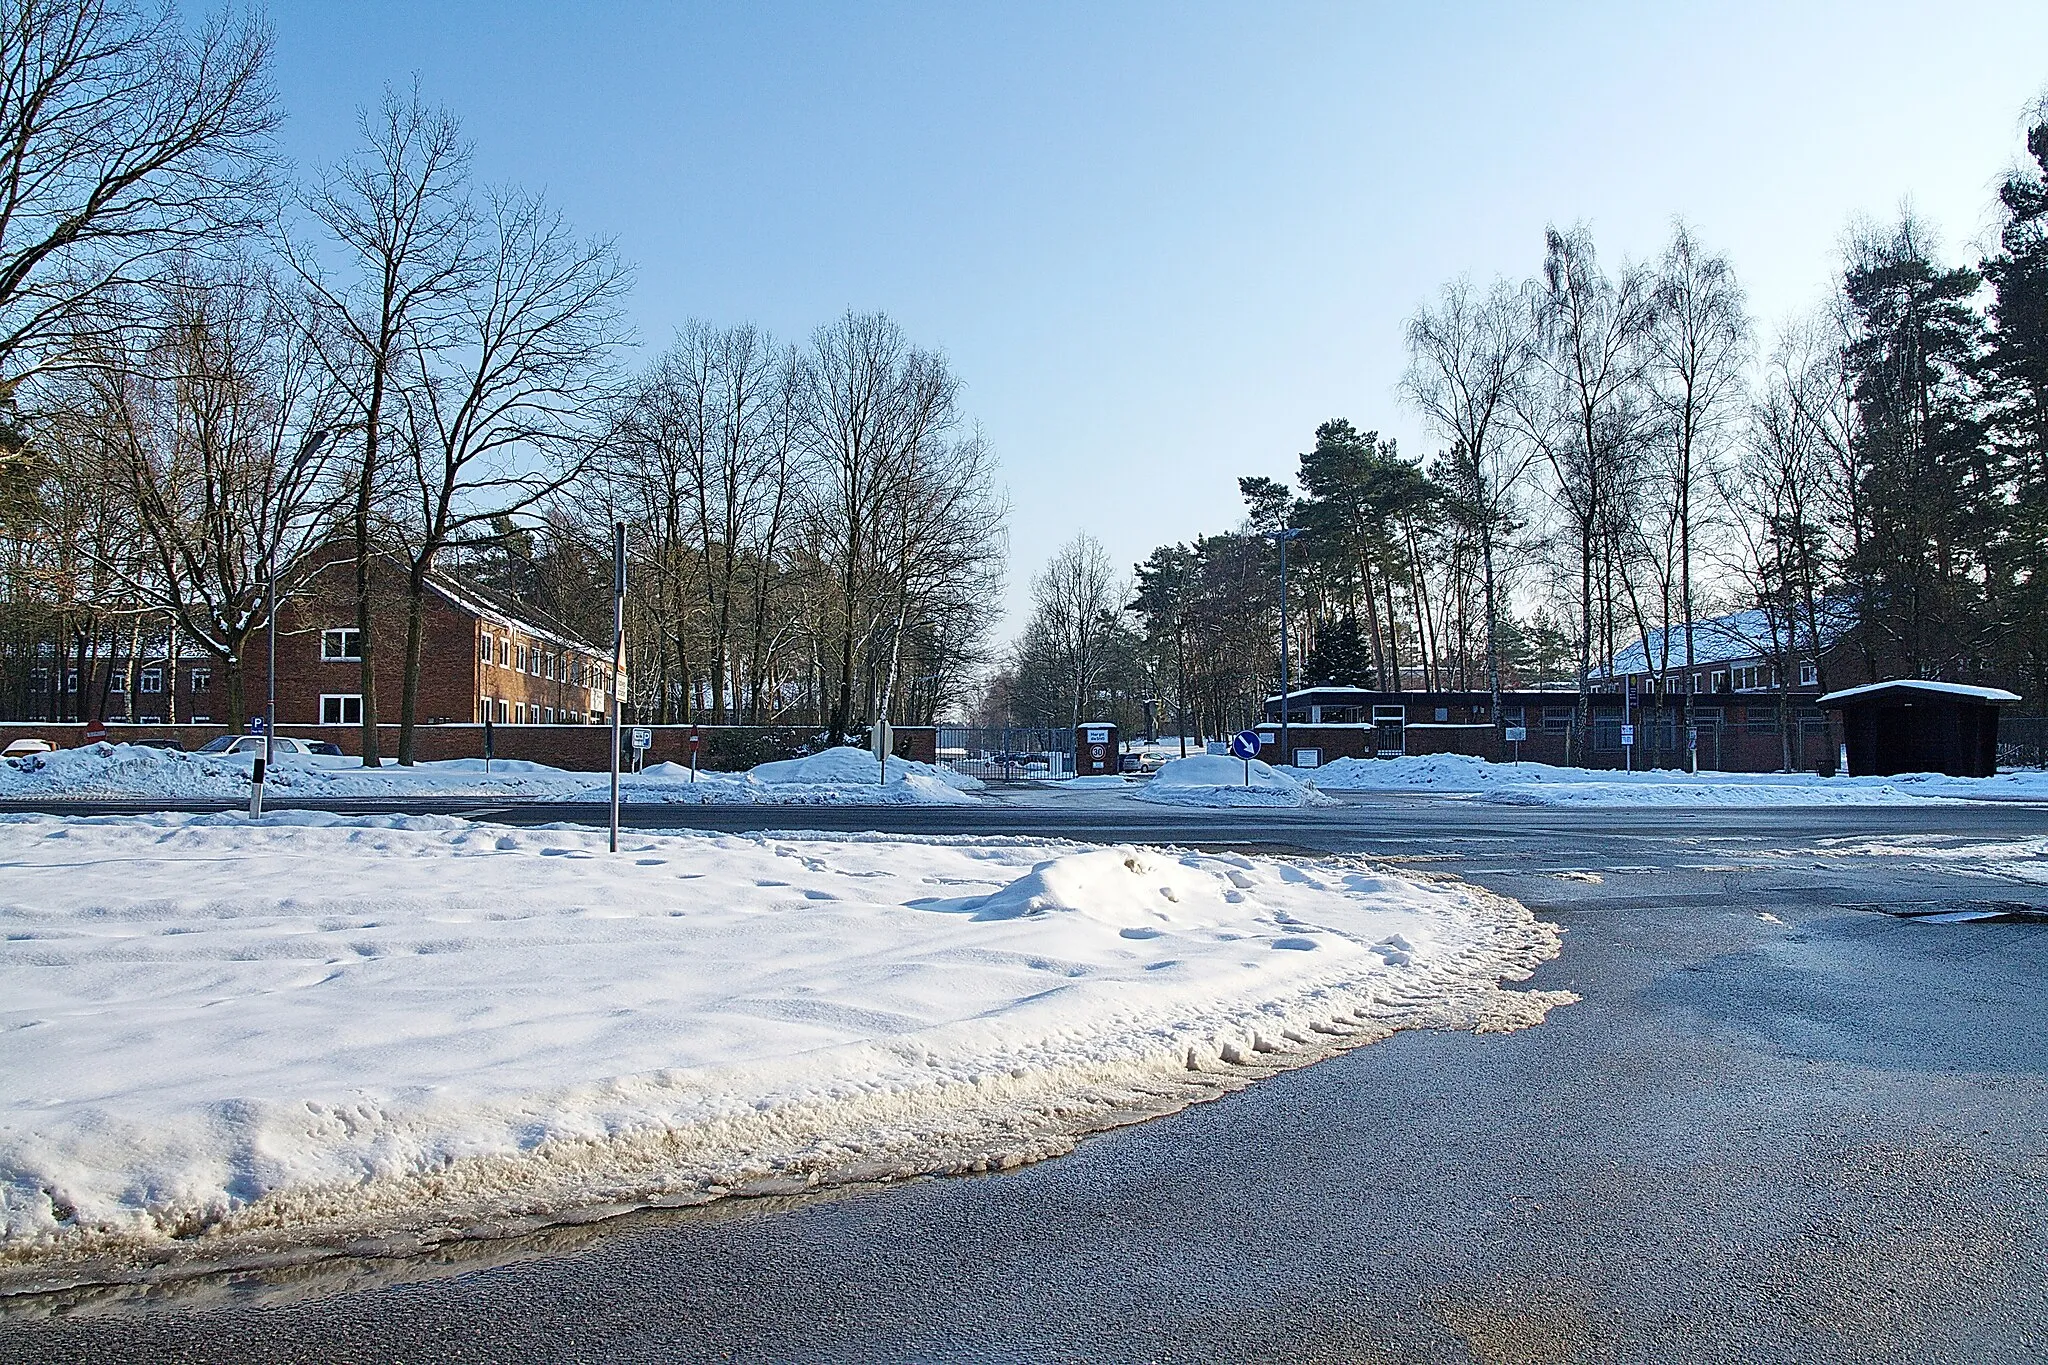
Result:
pixel 1007 753
pixel 2023 741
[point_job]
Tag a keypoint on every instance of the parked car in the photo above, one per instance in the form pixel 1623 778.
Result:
pixel 253 744
pixel 174 745
pixel 26 754
pixel 326 747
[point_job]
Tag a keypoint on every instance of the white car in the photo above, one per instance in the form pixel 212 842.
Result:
pixel 253 744
pixel 27 754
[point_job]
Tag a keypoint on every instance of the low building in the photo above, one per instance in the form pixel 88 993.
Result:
pixel 482 657
pixel 1912 725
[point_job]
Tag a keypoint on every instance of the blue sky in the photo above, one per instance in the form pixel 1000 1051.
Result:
pixel 1162 242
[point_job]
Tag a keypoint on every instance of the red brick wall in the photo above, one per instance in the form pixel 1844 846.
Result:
pixel 726 748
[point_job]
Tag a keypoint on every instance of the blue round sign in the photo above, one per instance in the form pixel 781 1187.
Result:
pixel 1245 744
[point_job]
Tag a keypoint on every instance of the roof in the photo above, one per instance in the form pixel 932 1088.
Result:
pixel 1996 696
pixel 481 602
pixel 1739 635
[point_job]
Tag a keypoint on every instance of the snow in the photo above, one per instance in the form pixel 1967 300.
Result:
pixel 1991 694
pixel 1214 780
pixel 227 1036
pixel 839 776
pixel 1540 784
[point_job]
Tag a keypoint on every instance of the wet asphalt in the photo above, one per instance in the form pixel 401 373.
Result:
pixel 1780 1125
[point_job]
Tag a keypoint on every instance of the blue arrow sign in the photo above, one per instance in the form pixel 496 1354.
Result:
pixel 1245 744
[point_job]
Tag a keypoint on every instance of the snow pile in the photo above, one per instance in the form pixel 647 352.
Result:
pixel 225 1038
pixel 1213 780
pixel 1540 784
pixel 835 777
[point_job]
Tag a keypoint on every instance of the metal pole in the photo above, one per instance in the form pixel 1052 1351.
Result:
pixel 1283 535
pixel 618 660
pixel 270 670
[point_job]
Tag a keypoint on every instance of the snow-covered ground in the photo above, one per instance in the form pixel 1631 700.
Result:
pixel 1539 784
pixel 1211 780
pixel 832 777
pixel 224 1038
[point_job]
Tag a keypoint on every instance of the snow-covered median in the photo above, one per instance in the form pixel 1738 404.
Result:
pixel 843 776
pixel 1213 780
pixel 1539 784
pixel 223 1038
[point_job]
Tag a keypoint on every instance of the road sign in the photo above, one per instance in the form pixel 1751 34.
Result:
pixel 1517 733
pixel 1245 744
pixel 95 731
pixel 1628 736
pixel 255 725
pixel 696 739
pixel 643 738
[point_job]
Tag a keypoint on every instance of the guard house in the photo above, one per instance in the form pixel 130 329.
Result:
pixel 1911 725
pixel 1096 749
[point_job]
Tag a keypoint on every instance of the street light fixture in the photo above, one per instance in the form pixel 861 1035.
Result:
pixel 1283 535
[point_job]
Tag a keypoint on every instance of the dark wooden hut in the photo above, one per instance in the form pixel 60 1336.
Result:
pixel 1911 725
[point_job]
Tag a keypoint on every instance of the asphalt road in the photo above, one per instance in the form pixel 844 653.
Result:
pixel 1780 1125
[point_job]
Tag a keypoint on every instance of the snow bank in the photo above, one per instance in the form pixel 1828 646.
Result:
pixel 1213 780
pixel 224 1038
pixel 1540 784
pixel 834 777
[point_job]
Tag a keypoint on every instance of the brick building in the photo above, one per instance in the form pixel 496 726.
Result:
pixel 481 657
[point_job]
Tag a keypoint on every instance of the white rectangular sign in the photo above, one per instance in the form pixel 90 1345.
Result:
pixel 1098 736
pixel 1628 736
pixel 1517 733
pixel 643 738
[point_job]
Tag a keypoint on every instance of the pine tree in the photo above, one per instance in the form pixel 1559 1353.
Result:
pixel 1926 472
pixel 2016 379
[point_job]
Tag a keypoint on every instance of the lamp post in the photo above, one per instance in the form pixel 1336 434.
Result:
pixel 308 448
pixel 1283 535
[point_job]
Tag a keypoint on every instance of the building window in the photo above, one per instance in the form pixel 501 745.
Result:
pixel 201 720
pixel 70 680
pixel 1720 683
pixel 202 678
pixel 119 683
pixel 485 650
pixel 341 646
pixel 1557 717
pixel 158 720
pixel 341 708
pixel 152 680
pixel 1809 675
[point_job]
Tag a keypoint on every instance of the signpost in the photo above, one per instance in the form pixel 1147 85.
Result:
pixel 490 740
pixel 1692 747
pixel 618 660
pixel 1515 734
pixel 1245 745
pixel 884 742
pixel 643 740
pixel 696 743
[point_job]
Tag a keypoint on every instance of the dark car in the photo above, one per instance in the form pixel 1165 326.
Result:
pixel 174 745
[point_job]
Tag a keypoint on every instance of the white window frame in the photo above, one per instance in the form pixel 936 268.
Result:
pixel 339 635
pixel 486 648
pixel 118 684
pixel 202 678
pixel 1809 675
pixel 342 708
pixel 150 681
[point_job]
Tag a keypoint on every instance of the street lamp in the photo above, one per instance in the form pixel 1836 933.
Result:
pixel 1283 535
pixel 308 448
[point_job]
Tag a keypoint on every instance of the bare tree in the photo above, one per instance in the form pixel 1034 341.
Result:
pixel 1468 364
pixel 497 411
pixel 123 139
pixel 214 410
pixel 400 221
pixel 1698 350
pixel 1076 600
pixel 1585 414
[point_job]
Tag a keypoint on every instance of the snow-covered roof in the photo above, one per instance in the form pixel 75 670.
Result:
pixel 1996 695
pixel 1752 634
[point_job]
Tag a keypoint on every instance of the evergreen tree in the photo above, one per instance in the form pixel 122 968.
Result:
pixel 1926 472
pixel 2016 375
